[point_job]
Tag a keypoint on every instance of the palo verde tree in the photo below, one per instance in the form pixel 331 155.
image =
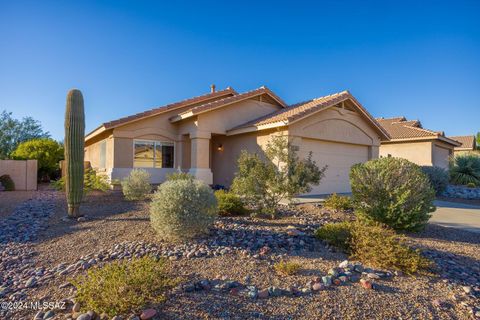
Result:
pixel 264 182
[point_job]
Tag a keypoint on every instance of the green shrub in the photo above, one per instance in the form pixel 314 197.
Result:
pixel 180 176
pixel 229 203
pixel 263 183
pixel 137 185
pixel 338 203
pixel 438 178
pixel 287 268
pixel 465 169
pixel 7 182
pixel 336 234
pixel 182 209
pixel 91 182
pixel 392 191
pixel 471 185
pixel 123 286
pixel 46 151
pixel 374 244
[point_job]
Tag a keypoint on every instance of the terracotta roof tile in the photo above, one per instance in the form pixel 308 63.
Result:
pixel 226 101
pixel 218 94
pixel 400 128
pixel 468 142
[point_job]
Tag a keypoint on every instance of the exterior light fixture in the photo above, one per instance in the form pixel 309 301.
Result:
pixel 220 147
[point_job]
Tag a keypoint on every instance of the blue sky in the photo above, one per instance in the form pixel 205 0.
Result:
pixel 415 58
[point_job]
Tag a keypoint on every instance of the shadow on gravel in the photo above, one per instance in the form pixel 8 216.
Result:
pixel 447 234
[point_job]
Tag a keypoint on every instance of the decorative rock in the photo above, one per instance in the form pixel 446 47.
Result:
pixel 327 280
pixel 84 316
pixel 344 264
pixel 49 314
pixel 366 284
pixel 39 315
pixel 358 268
pixel 467 289
pixel 372 275
pixel 148 314
pixel 76 307
pixel 317 286
pixel 262 294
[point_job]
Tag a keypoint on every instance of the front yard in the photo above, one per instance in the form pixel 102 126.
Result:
pixel 229 273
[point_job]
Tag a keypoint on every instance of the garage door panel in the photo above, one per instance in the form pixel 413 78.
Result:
pixel 339 158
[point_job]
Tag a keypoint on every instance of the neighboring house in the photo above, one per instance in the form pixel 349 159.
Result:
pixel 205 135
pixel 467 144
pixel 409 140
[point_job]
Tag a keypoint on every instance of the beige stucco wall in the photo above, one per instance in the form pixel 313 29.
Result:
pixel 441 154
pixel 22 172
pixel 416 152
pixel 224 162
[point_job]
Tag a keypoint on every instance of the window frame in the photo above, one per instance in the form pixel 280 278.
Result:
pixel 155 142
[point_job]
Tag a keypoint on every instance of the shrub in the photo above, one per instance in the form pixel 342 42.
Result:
pixel 180 176
pixel 229 203
pixel 91 182
pixel 123 286
pixel 374 244
pixel 438 178
pixel 7 182
pixel 263 183
pixel 182 209
pixel 393 191
pixel 465 169
pixel 47 151
pixel 336 234
pixel 338 203
pixel 137 185
pixel 287 268
pixel 471 185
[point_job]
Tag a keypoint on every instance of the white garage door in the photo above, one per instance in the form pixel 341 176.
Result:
pixel 339 157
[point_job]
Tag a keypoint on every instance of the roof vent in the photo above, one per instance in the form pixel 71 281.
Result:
pixel 212 88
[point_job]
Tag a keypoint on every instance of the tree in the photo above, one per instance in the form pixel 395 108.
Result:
pixel 14 131
pixel 47 151
pixel 478 140
pixel 282 175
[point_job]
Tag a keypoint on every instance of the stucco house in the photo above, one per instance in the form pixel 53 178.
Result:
pixel 467 144
pixel 204 136
pixel 409 140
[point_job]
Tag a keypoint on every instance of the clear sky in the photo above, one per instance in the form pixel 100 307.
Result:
pixel 419 59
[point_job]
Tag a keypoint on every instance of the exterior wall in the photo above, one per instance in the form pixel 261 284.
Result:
pixel 441 154
pixel 93 150
pixel 416 152
pixel 224 162
pixel 22 172
pixel 223 119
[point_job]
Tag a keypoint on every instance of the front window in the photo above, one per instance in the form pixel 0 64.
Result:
pixel 153 154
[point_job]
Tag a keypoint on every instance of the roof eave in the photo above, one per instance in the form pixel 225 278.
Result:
pixel 267 126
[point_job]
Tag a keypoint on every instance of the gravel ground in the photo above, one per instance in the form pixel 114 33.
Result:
pixel 10 199
pixel 111 221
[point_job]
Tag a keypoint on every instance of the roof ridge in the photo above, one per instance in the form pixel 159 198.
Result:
pixel 422 129
pixel 223 99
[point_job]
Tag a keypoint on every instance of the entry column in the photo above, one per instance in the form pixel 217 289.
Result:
pixel 200 156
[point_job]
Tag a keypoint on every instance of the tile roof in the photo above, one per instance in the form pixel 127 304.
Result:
pixel 399 128
pixel 226 101
pixel 303 109
pixel 218 94
pixel 468 142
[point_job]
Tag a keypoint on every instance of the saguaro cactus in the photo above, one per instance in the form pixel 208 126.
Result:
pixel 74 151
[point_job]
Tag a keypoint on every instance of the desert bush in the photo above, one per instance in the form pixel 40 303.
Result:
pixel 287 268
pixel 339 203
pixel 182 209
pixel 137 185
pixel 123 286
pixel 91 181
pixel 438 178
pixel 263 183
pixel 471 185
pixel 180 176
pixel 465 169
pixel 336 234
pixel 47 151
pixel 229 203
pixel 7 182
pixel 392 191
pixel 374 244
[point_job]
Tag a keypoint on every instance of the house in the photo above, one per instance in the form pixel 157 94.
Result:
pixel 409 140
pixel 204 136
pixel 467 144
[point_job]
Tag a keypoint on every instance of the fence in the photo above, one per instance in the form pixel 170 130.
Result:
pixel 22 172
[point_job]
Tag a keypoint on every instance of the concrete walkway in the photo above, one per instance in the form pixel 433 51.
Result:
pixel 457 215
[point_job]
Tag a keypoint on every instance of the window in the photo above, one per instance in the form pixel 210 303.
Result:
pixel 153 154
pixel 103 152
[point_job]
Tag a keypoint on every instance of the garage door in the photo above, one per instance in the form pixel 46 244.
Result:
pixel 339 157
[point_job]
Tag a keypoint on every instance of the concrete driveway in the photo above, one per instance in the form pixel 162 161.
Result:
pixel 457 215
